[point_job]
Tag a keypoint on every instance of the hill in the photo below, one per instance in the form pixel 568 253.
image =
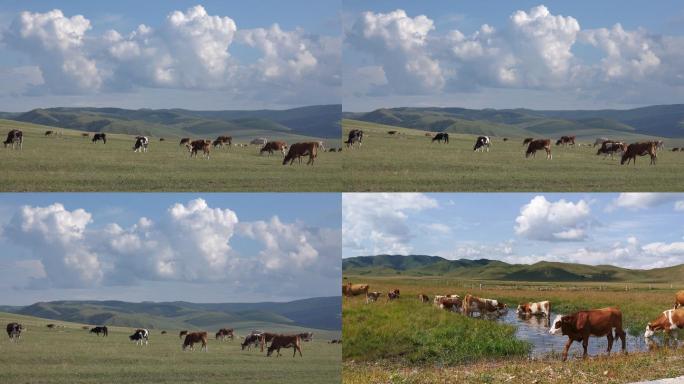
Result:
pixel 321 121
pixel 658 120
pixel 484 269
pixel 319 313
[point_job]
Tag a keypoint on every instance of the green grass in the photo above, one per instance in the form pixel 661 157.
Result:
pixel 410 162
pixel 72 163
pixel 72 355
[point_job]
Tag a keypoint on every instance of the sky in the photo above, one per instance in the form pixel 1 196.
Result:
pixel 169 54
pixel 504 54
pixel 629 230
pixel 169 246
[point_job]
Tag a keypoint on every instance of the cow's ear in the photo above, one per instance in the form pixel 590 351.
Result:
pixel 582 319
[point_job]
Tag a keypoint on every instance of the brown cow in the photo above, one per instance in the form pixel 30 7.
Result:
pixel 302 149
pixel 595 322
pixel 224 140
pixel 670 320
pixel 566 140
pixel 355 289
pixel 195 337
pixel 197 145
pixel 224 333
pixel 679 299
pixel 538 144
pixel 482 306
pixel 274 146
pixel 453 304
pixel 285 341
pixel 640 149
pixel 542 308
pixel 424 298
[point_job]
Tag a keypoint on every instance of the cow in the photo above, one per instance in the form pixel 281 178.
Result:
pixel 679 299
pixel 197 145
pixel 51 326
pixel 161 139
pixel 355 136
pixel 141 143
pixel 184 142
pixel 265 338
pixel 484 307
pixel 453 304
pixel 100 136
pixel 182 333
pixel 393 295
pixel 675 149
pixel 391 132
pixel 438 298
pixel 669 320
pixel 224 333
pixel 579 326
pixel 97 330
pixel 335 341
pixel 481 143
pixel 600 141
pixel 221 140
pixel 306 336
pixel 163 332
pixel 542 308
pixel 140 336
pixel 15 138
pixel 538 144
pixel 355 289
pixel 640 149
pixel 505 139
pixel 285 341
pixel 442 136
pixel 424 298
pixel 610 147
pixel 566 140
pixel 14 331
pixel 195 337
pixel 271 146
pixel 372 297
pixel 527 140
pixel 251 340
pixel 49 133
pixel 298 150
pixel 260 141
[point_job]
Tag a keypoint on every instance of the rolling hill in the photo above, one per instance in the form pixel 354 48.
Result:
pixel 484 269
pixel 658 120
pixel 319 313
pixel 321 121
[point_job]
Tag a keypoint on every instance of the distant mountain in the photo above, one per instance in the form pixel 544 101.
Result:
pixel 658 120
pixel 315 121
pixel 484 269
pixel 318 313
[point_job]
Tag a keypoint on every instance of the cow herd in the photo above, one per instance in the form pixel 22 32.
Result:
pixel 578 326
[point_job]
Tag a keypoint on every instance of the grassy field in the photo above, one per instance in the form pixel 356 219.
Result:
pixel 409 161
pixel 72 163
pixel 435 346
pixel 72 355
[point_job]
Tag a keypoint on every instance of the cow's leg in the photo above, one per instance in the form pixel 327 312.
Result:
pixel 565 350
pixel 623 337
pixel 585 345
pixel 610 338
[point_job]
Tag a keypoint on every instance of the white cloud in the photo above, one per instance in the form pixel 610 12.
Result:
pixel 563 220
pixel 644 200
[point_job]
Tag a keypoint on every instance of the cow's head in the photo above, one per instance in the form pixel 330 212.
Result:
pixel 649 331
pixel 556 325
pixel 522 309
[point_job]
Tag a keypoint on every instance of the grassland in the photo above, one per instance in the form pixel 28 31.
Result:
pixel 72 163
pixel 72 355
pixel 408 161
pixel 493 357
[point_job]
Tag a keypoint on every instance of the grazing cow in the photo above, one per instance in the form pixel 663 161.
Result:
pixel 538 144
pixel 197 145
pixel 610 147
pixel 675 149
pixel 354 136
pixel 14 331
pixel 161 139
pixel 442 136
pixel 306 336
pixel 51 326
pixel 528 140
pixel 542 308
pixel 372 297
pixel 250 341
pixel 595 322
pixel 184 142
pixel 505 139
pixel 260 141
pixel 482 306
pixel 15 138
pixel 224 140
pixel 355 289
pixel 391 132
pixel 103 330
pixel 141 143
pixel 182 333
pixel 600 141
pixel 640 149
pixel 49 133
pixel 481 143
pixel 224 333
pixel 424 298
pixel 163 332
pixel 453 304
pixel 298 150
pixel 393 295
pixel 285 341
pixel 195 337
pixel 274 146
pixel 566 140
pixel 100 136
pixel 679 299
pixel 669 320
pixel 140 336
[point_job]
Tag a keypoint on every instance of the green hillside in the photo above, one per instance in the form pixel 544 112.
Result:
pixel 484 269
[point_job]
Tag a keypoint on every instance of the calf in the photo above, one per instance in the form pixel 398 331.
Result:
pixel 679 299
pixel 442 136
pixel 482 143
pixel 140 336
pixel 141 143
pixel 285 341
pixel 302 149
pixel 640 149
pixel 103 330
pixel 271 146
pixel 372 297
pixel 539 144
pixel 15 138
pixel 595 322
pixel 100 137
pixel 195 337
pixel 670 320
pixel 14 331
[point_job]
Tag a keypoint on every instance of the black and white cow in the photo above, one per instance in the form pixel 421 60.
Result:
pixel 140 336
pixel 141 143
pixel 15 138
pixel 251 340
pixel 482 143
pixel 100 136
pixel 355 137
pixel 14 331
pixel 441 137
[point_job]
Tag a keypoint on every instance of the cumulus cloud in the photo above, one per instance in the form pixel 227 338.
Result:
pixel 644 200
pixel 563 220
pixel 375 223
pixel 191 243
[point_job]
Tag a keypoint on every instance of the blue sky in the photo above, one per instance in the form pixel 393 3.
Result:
pixel 200 62
pixel 554 55
pixel 168 246
pixel 629 230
